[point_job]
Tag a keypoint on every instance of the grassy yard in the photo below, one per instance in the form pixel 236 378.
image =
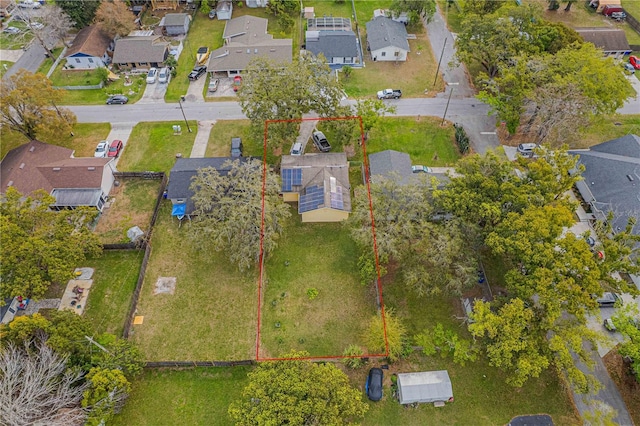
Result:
pixel 99 96
pixel 4 66
pixel 219 144
pixel 48 62
pixel 16 41
pixel 607 128
pixel 132 204
pixel 86 137
pixel 211 316
pixel 421 137
pixel 62 77
pixel 154 147
pixel 324 257
pixel 199 396
pixel 115 277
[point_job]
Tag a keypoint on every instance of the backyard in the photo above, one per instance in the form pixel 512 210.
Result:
pixel 131 204
pixel 219 144
pixel 313 299
pixel 210 313
pixel 156 147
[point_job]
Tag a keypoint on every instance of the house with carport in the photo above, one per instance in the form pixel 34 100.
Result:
pixel 387 40
pixel 90 49
pixel 246 38
pixel 612 41
pixel 318 184
pixel 141 52
pixel 73 182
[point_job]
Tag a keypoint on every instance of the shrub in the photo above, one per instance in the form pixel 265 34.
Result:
pixel 461 139
pixel 446 342
pixel 354 363
pixel 312 293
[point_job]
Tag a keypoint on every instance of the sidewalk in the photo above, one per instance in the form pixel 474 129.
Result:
pixel 202 138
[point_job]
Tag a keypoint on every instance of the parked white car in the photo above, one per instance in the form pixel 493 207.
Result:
pixel 152 75
pixel 163 75
pixel 101 149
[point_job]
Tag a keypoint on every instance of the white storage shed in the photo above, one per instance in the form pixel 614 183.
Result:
pixel 426 386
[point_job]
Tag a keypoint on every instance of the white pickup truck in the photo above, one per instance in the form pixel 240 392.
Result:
pixel 389 94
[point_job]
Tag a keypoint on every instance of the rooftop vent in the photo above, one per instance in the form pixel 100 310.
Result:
pixel 91 168
pixel 56 169
pixel 22 166
pixel 33 148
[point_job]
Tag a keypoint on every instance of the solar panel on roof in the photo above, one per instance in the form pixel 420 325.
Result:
pixel 297 176
pixel 310 201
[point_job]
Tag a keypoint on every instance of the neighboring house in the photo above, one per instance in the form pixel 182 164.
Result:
pixel 6 7
pixel 319 183
pixel 74 182
pixel 387 40
pixel 426 386
pixel 390 163
pixel 140 52
pixel 179 187
pixel 246 38
pixel 257 3
pixel 402 17
pixel 611 177
pixel 333 38
pixel 90 49
pixel 176 23
pixel 224 10
pixel 612 41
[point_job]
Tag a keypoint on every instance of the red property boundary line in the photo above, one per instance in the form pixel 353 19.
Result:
pixel 373 232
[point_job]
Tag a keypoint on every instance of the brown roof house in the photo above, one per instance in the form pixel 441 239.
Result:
pixel 90 49
pixel 246 38
pixel 141 52
pixel 319 183
pixel 612 41
pixel 74 182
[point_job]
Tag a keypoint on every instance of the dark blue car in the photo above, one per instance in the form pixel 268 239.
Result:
pixel 373 386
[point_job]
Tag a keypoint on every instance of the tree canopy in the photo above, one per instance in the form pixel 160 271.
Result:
pixel 276 91
pixel 415 9
pixel 41 246
pixel 229 211
pixel 80 12
pixel 298 392
pixel 115 18
pixel 29 105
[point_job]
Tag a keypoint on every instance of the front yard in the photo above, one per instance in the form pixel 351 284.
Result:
pixel 211 315
pixel 320 257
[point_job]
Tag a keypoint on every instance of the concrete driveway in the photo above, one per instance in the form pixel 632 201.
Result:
pixel 120 131
pixel 153 93
pixel 194 93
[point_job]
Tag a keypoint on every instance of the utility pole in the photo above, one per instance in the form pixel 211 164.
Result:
pixel 90 339
pixel 184 116
pixel 448 100
pixel 439 62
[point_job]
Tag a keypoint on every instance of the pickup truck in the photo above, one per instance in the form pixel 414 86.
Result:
pixel 389 94
pixel 321 142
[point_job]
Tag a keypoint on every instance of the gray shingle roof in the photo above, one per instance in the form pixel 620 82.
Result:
pixel 186 168
pixel 383 32
pixel 175 19
pixel 612 178
pixel 388 162
pixel 607 39
pixel 332 43
pixel 140 49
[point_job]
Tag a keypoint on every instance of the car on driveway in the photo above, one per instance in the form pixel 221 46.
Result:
pixel 152 75
pixel 117 99
pixel 36 25
pixel 163 75
pixel 420 169
pixel 101 149
pixel 11 30
pixel 197 72
pixel 296 149
pixel 627 66
pixel 607 299
pixel 635 61
pixel 213 85
pixel 115 148
pixel 527 149
pixel 320 141
pixel 237 82
pixel 373 386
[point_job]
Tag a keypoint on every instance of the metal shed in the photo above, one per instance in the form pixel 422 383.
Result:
pixel 426 386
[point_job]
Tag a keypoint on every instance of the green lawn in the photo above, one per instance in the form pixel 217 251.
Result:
pixel 211 316
pixel 86 137
pixel 421 137
pixel 48 62
pixel 154 147
pixel 114 280
pixel 4 66
pixel 99 96
pixel 224 130
pixel 199 396
pixel 321 256
pixel 607 128
pixel 133 203
pixel 61 77
pixel 16 41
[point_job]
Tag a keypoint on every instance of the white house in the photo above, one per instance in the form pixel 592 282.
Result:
pixel 90 49
pixel 387 40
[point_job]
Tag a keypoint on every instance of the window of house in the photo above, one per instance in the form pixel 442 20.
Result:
pixel 384 54
pixel 348 60
pixel 90 60
pixel 396 54
pixel 77 60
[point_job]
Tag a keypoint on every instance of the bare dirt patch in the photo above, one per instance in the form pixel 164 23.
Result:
pixel 165 285
pixel 629 388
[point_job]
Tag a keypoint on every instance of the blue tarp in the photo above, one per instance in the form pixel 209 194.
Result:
pixel 179 209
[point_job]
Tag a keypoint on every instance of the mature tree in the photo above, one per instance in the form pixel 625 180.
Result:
pixel 80 12
pixel 106 394
pixel 115 18
pixel 229 211
pixel 36 387
pixel 627 322
pixel 57 25
pixel 482 7
pixel 41 246
pixel 298 392
pixel 553 36
pixel 371 110
pixel 447 342
pixel 276 91
pixel 393 329
pixel 415 9
pixel 29 106
pixel 281 7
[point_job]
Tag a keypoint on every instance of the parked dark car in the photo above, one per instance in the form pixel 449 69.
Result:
pixel 197 72
pixel 374 384
pixel 117 99
pixel 607 299
pixel 321 142
pixel 115 148
pixel 236 147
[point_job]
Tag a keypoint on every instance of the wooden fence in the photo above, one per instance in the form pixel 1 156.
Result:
pixel 633 23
